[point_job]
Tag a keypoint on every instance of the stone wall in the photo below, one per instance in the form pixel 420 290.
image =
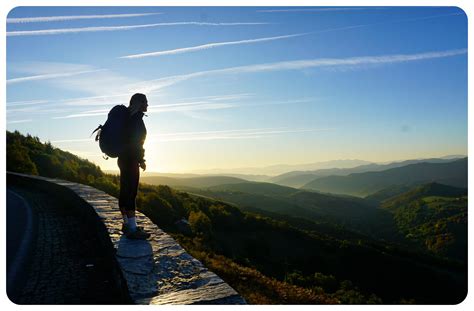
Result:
pixel 158 270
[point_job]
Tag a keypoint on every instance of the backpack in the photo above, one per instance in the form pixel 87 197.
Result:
pixel 111 135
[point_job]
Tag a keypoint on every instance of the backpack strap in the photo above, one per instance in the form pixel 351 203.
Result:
pixel 98 133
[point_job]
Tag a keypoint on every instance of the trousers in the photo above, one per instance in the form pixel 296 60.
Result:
pixel 129 178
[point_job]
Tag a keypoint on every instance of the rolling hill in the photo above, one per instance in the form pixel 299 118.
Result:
pixel 434 216
pixel 350 212
pixel 362 184
pixel 298 179
pixel 273 170
pixel 193 182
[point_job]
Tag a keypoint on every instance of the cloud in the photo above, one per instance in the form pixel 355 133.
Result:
pixel 44 32
pixel 210 46
pixel 50 76
pixel 177 107
pixel 26 103
pixel 19 121
pixel 104 86
pixel 222 97
pixel 42 19
pixel 230 134
pixel 82 115
pixel 69 107
pixel 252 133
pixel 80 140
pixel 160 83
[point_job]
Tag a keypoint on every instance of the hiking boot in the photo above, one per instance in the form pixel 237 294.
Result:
pixel 138 234
pixel 125 228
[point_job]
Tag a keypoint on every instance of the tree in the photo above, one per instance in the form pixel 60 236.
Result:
pixel 200 223
pixel 158 209
pixel 18 159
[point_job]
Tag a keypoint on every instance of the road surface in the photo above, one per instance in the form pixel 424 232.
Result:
pixel 19 241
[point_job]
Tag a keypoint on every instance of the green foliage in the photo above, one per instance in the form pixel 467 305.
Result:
pixel 350 294
pixel 200 223
pixel 353 213
pixel 18 159
pixel 317 280
pixel 255 287
pixel 158 209
pixel 26 154
pixel 107 185
pixel 434 216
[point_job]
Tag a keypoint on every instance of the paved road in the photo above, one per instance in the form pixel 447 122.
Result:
pixel 19 241
pixel 71 259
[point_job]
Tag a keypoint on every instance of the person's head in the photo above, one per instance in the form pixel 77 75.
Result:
pixel 138 102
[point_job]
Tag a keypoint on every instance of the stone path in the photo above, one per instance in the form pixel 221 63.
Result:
pixel 158 270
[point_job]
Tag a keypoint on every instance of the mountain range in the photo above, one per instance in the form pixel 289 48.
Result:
pixel 299 179
pixel 283 168
pixel 452 173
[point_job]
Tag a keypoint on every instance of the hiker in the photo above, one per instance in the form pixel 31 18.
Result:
pixel 130 161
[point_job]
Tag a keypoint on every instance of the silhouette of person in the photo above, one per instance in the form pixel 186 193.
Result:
pixel 130 162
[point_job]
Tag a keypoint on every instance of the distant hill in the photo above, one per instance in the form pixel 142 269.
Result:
pixel 173 175
pixel 194 182
pixel 186 175
pixel 249 177
pixel 362 184
pixel 434 216
pixel 351 212
pixel 298 179
pixel 282 168
pixel 387 193
pixel 255 188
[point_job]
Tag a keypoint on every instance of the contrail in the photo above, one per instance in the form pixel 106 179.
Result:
pixel 210 46
pixel 43 19
pixel 49 76
pixel 317 10
pixel 192 106
pixel 44 32
pixel 26 103
pixel 212 135
pixel 232 134
pixel 19 121
pixel 296 65
pixel 248 41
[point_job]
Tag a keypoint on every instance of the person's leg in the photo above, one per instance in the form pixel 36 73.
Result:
pixel 123 188
pixel 134 232
pixel 133 181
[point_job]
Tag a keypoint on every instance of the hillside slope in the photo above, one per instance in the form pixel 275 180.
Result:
pixel 363 184
pixel 298 179
pixel 434 216
pixel 194 182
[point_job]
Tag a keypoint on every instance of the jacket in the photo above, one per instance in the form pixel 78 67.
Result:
pixel 135 135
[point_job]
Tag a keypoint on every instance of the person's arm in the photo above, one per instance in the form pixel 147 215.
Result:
pixel 136 133
pixel 138 142
pixel 141 155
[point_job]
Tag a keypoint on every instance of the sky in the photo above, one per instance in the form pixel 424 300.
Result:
pixel 232 87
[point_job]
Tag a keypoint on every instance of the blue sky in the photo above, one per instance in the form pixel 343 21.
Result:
pixel 239 87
